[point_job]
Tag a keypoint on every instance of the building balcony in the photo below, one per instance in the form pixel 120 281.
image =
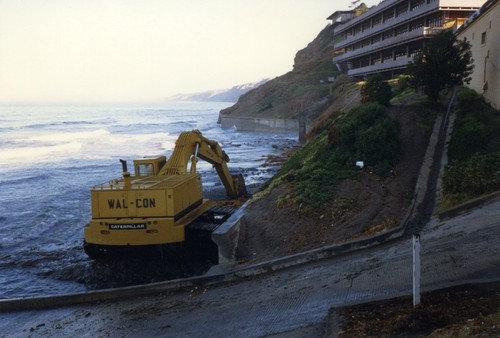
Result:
pixel 389 24
pixel 370 13
pixel 385 66
pixel 388 43
pixel 384 5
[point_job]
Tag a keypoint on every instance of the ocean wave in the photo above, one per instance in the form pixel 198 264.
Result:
pixel 33 153
pixel 76 123
pixel 62 137
pixel 41 126
pixel 88 145
pixel 26 178
pixel 23 157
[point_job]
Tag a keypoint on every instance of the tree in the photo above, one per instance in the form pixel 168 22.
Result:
pixel 443 62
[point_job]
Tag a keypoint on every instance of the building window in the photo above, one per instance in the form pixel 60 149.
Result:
pixel 435 20
pixel 416 4
pixel 400 53
pixel 416 25
pixel 401 29
pixel 483 38
pixel 401 9
pixel 389 34
pixel 414 49
pixel 388 15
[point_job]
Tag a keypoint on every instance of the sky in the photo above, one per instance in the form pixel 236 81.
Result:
pixel 147 50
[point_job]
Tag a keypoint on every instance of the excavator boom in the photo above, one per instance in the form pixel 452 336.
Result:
pixel 192 144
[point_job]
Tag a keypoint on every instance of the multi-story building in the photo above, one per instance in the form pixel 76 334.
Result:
pixel 386 37
pixel 482 31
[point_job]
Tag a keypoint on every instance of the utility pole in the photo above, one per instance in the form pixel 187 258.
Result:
pixel 416 269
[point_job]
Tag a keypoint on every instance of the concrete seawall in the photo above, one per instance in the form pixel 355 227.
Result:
pixel 259 124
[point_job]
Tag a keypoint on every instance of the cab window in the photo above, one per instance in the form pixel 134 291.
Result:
pixel 144 169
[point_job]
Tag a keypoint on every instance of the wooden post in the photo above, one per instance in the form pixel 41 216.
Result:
pixel 416 269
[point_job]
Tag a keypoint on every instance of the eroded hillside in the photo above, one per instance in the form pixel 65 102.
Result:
pixel 366 203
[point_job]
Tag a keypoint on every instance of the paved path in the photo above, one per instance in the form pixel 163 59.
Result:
pixel 297 299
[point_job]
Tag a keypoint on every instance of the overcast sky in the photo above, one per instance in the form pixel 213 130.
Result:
pixel 133 50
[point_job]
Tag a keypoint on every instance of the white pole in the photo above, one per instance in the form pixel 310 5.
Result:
pixel 416 269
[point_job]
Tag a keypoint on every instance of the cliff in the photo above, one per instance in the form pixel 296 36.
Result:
pixel 303 91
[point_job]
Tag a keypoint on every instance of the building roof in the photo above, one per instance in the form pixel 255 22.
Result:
pixel 483 9
pixel 338 13
pixel 340 17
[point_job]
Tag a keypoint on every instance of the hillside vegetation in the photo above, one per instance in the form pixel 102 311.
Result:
pixel 320 197
pixel 365 133
pixel 474 151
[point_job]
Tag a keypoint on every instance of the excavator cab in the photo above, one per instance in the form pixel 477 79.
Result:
pixel 149 166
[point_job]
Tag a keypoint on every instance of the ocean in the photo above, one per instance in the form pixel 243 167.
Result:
pixel 51 156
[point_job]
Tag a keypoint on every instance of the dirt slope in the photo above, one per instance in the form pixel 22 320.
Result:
pixel 362 206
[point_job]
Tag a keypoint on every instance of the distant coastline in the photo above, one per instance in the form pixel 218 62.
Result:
pixel 223 95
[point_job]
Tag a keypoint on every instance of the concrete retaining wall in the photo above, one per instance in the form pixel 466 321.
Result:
pixel 259 124
pixel 227 235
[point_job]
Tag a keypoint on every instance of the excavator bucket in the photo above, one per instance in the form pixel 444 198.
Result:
pixel 240 185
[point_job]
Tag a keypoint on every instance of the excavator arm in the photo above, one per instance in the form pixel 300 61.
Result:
pixel 192 145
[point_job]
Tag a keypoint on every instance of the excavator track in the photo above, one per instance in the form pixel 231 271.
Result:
pixel 199 244
pixel 124 266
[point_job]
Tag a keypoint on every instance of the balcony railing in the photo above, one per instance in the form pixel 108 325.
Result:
pixel 371 12
pixel 387 43
pixel 381 45
pixel 391 23
pixel 381 67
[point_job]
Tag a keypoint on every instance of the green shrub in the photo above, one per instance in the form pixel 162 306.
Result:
pixel 378 143
pixel 467 98
pixel 366 133
pixel 474 158
pixel 376 90
pixel 369 135
pixel 475 176
pixel 474 137
pixel 403 84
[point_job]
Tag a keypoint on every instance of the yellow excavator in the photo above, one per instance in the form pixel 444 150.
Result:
pixel 161 207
